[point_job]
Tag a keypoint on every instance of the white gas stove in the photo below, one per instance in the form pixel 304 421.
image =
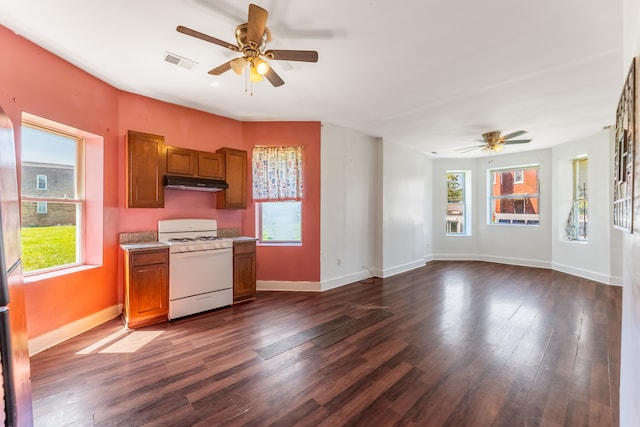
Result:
pixel 200 266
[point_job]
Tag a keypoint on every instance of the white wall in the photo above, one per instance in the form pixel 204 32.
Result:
pixel 428 209
pixel 591 259
pixel 349 205
pixel 454 247
pixel 630 367
pixel 507 244
pixel 403 208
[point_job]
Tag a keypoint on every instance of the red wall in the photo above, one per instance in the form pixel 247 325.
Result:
pixel 291 263
pixel 34 81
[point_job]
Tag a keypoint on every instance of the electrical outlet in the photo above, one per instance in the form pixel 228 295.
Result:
pixel 339 262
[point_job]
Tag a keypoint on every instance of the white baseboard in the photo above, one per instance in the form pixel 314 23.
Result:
pixel 586 274
pixel 49 339
pixel 388 272
pixel 276 285
pixel 495 259
pixel 325 285
pixel 516 261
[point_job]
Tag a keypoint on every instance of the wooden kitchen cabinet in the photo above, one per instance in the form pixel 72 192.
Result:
pixel 183 161
pixel 211 165
pixel 145 170
pixel 146 291
pixel 234 197
pixel 244 271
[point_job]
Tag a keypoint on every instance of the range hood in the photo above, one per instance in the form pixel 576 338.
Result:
pixel 175 182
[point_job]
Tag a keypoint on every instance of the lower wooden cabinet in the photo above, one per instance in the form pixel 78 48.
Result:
pixel 244 271
pixel 146 291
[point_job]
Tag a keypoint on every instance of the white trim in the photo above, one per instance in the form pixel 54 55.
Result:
pixel 276 285
pixel 388 272
pixel 337 282
pixel 495 259
pixel 586 274
pixel 52 338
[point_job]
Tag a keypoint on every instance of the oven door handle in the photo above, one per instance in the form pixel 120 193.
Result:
pixel 212 252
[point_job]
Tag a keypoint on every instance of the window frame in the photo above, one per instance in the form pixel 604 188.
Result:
pixel 41 208
pixel 515 176
pixel 45 186
pixel 78 199
pixel 578 197
pixel 259 225
pixel 466 205
pixel 491 200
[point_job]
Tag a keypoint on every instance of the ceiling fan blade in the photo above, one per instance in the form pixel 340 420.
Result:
pixel 513 134
pixel 517 141
pixel 256 24
pixel 207 38
pixel 274 78
pixel 221 68
pixel 292 55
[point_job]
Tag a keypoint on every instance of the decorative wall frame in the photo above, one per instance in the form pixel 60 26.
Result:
pixel 624 155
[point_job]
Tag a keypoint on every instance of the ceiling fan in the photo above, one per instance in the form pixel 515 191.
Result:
pixel 493 141
pixel 252 38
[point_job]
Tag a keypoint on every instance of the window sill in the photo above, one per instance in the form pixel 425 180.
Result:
pixel 259 243
pixel 57 273
pixel 457 235
pixel 579 242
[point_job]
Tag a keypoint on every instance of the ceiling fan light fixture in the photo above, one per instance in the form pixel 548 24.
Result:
pixel 238 64
pixel 254 76
pixel 261 66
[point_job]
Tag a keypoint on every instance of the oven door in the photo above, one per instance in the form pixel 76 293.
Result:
pixel 196 273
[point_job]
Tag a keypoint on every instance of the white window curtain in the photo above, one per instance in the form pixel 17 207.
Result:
pixel 277 174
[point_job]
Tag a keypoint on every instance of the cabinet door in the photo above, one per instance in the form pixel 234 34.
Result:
pixel 234 197
pixel 181 161
pixel 244 271
pixel 210 165
pixel 145 170
pixel 147 288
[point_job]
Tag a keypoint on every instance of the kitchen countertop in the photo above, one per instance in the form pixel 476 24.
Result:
pixel 244 239
pixel 143 246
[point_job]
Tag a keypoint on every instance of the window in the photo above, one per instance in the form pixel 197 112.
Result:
pixel 52 214
pixel 277 189
pixel 41 207
pixel 518 176
pixel 457 206
pixel 41 182
pixel 577 221
pixel 514 197
pixel 281 222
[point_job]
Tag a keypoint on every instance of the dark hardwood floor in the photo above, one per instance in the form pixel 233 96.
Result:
pixel 449 344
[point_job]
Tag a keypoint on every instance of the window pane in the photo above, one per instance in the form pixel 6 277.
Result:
pixel 455 203
pixel 50 209
pixel 48 239
pixel 48 164
pixel 578 218
pixel 515 197
pixel 281 222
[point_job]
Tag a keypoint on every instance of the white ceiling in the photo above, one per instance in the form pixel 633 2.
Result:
pixel 432 74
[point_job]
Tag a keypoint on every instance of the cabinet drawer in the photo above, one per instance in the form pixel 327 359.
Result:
pixel 244 248
pixel 149 257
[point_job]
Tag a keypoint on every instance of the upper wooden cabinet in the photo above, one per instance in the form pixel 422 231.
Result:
pixel 182 161
pixel 211 165
pixel 234 197
pixel 145 170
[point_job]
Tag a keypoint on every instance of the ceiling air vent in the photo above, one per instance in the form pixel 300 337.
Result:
pixel 178 60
